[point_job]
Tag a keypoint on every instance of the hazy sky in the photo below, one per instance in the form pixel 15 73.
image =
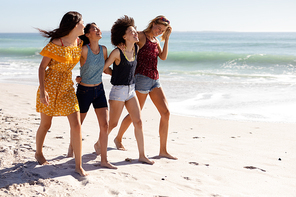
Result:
pixel 185 15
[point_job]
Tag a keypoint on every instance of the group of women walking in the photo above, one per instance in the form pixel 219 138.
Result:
pixel 134 75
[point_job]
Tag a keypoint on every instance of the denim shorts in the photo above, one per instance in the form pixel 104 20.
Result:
pixel 91 95
pixel 145 84
pixel 122 92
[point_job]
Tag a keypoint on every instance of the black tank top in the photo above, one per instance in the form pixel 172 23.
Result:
pixel 124 73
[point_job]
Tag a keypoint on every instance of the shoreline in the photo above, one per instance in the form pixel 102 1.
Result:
pixel 215 157
pixel 202 77
pixel 107 86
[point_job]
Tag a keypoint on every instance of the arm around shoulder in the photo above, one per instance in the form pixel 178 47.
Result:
pixel 105 52
pixel 113 57
pixel 83 55
pixel 142 39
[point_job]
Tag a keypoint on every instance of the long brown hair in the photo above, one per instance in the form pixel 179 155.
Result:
pixel 67 24
pixel 162 20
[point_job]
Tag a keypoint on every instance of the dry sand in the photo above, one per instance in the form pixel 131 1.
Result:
pixel 216 157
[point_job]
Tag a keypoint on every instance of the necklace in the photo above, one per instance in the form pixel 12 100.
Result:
pixel 96 51
pixel 134 54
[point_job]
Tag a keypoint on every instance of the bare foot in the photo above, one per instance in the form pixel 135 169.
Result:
pixel 70 151
pixel 97 148
pixel 81 171
pixel 167 155
pixel 108 165
pixel 146 160
pixel 118 144
pixel 40 159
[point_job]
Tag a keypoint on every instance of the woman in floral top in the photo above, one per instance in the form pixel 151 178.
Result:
pixel 56 94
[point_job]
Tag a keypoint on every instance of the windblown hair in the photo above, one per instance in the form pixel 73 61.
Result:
pixel 67 24
pixel 86 31
pixel 119 28
pixel 162 20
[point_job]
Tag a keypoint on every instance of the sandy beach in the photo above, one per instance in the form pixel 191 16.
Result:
pixel 215 157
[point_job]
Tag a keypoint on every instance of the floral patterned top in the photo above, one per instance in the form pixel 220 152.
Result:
pixel 58 80
pixel 147 60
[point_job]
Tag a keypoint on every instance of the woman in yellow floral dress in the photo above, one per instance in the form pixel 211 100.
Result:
pixel 56 94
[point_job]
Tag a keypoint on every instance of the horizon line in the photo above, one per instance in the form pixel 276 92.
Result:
pixel 202 31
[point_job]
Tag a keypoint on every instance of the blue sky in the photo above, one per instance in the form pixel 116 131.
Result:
pixel 185 15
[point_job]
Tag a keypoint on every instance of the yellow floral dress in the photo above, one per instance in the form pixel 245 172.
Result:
pixel 58 80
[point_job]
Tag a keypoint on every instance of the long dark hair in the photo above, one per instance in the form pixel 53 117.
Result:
pixel 86 31
pixel 67 24
pixel 119 28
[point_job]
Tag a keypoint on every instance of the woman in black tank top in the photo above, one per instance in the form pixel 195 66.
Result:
pixel 146 67
pixel 123 58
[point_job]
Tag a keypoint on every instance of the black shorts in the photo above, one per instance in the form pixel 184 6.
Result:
pixel 91 95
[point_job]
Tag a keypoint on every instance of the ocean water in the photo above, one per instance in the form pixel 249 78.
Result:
pixel 223 75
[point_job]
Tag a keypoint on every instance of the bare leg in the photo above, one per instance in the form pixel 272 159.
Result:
pixel 45 124
pixel 70 149
pixel 101 145
pixel 123 127
pixel 160 101
pixel 127 121
pixel 102 116
pixel 133 108
pixel 116 108
pixel 76 140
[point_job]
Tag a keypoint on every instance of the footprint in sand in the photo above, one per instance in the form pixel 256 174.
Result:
pixel 253 168
pixel 195 163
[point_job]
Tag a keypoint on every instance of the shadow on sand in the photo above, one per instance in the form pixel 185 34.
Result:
pixel 31 171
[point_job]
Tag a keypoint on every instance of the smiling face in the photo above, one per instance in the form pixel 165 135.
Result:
pixel 158 29
pixel 131 35
pixel 94 33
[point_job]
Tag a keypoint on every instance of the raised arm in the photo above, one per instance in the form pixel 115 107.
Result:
pixel 113 57
pixel 105 52
pixel 163 53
